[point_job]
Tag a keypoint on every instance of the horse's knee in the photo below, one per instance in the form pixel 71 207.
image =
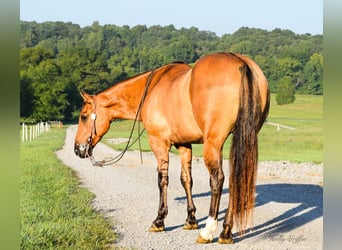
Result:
pixel 186 180
pixel 163 180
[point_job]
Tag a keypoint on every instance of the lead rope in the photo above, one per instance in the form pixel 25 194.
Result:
pixel 112 160
pixel 139 141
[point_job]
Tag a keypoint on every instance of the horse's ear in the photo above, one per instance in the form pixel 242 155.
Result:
pixel 85 96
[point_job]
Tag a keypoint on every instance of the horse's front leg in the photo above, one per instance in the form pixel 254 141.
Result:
pixel 185 153
pixel 162 154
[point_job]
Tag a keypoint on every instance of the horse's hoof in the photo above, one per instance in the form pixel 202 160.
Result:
pixel 155 229
pixel 188 226
pixel 201 240
pixel 225 241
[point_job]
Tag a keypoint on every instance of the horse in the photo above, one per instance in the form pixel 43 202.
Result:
pixel 179 105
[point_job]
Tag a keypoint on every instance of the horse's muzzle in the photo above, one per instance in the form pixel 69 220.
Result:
pixel 83 150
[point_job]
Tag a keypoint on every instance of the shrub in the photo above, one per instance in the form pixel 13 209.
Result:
pixel 285 91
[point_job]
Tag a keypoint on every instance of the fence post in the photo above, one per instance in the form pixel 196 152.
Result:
pixel 35 130
pixel 31 133
pixel 23 132
pixel 26 133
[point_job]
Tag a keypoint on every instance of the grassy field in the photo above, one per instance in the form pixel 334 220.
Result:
pixel 55 212
pixel 304 143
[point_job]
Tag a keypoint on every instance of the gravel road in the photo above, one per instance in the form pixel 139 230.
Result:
pixel 288 212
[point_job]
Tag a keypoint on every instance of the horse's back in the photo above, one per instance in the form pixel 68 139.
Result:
pixel 168 110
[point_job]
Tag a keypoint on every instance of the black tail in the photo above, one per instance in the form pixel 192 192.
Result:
pixel 244 149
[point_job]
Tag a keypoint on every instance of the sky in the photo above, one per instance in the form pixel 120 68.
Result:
pixel 219 16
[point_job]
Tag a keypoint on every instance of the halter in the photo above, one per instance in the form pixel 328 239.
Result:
pixel 115 159
pixel 93 128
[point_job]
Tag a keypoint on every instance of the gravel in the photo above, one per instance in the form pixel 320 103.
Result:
pixel 288 212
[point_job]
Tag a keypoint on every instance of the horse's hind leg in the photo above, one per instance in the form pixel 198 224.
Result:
pixel 213 160
pixel 226 236
pixel 185 153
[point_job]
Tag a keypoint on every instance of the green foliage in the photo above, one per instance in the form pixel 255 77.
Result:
pixel 313 72
pixel 57 60
pixel 55 212
pixel 285 91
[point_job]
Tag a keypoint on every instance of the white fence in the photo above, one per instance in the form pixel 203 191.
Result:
pixel 30 132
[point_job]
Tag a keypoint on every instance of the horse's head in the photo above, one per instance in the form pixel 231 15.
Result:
pixel 93 123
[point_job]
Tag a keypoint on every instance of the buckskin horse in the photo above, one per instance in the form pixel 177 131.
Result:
pixel 179 105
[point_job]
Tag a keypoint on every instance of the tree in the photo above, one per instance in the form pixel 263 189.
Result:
pixel 49 92
pixel 244 47
pixel 182 50
pixel 313 73
pixel 285 91
pixel 26 95
pixel 59 59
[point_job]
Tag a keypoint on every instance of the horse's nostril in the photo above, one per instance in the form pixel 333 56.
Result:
pixel 76 150
pixel 82 150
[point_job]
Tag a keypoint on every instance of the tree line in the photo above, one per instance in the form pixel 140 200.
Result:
pixel 59 59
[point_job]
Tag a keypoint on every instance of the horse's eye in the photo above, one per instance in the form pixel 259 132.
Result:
pixel 84 117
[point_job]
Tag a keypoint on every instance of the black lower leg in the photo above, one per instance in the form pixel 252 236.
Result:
pixel 216 184
pixel 163 182
pixel 191 219
pixel 226 236
pixel 185 152
pixel 191 209
pixel 191 222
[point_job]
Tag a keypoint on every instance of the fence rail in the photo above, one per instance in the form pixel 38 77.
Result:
pixel 31 131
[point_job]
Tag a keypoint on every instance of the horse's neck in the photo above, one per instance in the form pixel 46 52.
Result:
pixel 123 99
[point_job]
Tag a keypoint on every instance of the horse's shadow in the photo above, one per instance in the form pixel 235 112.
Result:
pixel 307 197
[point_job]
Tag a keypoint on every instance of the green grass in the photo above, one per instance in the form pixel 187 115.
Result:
pixel 55 212
pixel 302 144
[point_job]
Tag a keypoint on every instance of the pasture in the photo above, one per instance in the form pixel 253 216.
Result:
pixel 304 143
pixel 55 212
